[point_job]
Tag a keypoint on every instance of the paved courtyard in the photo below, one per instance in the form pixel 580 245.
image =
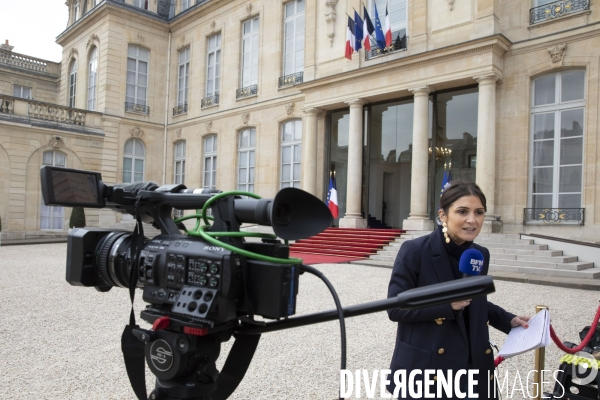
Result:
pixel 63 342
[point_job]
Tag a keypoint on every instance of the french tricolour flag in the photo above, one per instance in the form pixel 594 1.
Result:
pixel 350 39
pixel 388 29
pixel 332 200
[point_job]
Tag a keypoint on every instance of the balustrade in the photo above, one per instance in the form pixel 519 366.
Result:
pixel 22 61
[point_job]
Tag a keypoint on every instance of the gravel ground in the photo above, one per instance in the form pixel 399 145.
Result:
pixel 63 342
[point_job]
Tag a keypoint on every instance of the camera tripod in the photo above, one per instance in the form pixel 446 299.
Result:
pixel 183 356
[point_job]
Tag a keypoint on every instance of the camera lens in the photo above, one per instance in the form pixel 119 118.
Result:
pixel 113 256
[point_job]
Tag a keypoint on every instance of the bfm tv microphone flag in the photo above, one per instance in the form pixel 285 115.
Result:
pixel 332 200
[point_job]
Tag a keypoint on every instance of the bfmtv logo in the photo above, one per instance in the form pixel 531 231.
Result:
pixel 584 367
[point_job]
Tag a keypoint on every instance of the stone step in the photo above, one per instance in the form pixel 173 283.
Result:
pixel 542 253
pixel 373 263
pixel 572 266
pixel 378 257
pixel 516 246
pixel 486 241
pixel 590 273
pixel 523 257
pixel 499 235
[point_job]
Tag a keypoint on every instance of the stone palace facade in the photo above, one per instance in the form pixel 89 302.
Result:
pixel 257 95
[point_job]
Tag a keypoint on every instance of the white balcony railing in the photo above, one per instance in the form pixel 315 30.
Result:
pixel 42 111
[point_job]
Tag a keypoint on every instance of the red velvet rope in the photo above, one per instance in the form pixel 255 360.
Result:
pixel 559 343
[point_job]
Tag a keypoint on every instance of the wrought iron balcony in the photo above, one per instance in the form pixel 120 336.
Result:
pixel 137 108
pixel 291 79
pixel 553 216
pixel 247 91
pixel 400 44
pixel 556 10
pixel 210 101
pixel 180 109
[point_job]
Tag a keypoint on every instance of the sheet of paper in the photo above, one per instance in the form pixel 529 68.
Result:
pixel 520 340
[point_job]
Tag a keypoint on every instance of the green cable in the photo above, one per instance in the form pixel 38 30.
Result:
pixel 200 231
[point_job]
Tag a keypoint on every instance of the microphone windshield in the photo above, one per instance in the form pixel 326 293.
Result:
pixel 471 262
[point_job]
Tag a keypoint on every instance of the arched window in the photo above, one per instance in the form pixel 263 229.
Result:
pixel 134 160
pixel 291 153
pixel 52 217
pixel 210 162
pixel 92 79
pixel 557 129
pixel 246 162
pixel 72 83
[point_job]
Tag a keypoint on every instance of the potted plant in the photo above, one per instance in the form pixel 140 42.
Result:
pixel 77 219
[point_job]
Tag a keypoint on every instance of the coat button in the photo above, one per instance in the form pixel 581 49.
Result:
pixel 491 377
pixel 441 351
pixel 435 378
pixel 439 321
pixel 488 351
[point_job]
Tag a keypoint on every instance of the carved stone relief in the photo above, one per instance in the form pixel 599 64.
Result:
pixel 451 4
pixel 245 118
pixel 330 17
pixel 137 132
pixel 209 126
pixel 56 142
pixel 249 8
pixel 140 38
pixel 289 108
pixel 557 53
pixel 73 53
pixel 178 133
pixel 93 38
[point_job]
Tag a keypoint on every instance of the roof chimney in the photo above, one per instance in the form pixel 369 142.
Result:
pixel 6 46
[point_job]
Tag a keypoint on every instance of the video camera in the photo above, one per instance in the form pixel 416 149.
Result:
pixel 201 290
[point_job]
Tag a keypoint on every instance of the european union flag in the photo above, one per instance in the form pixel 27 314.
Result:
pixel 379 36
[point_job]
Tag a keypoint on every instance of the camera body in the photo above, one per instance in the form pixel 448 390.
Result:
pixel 186 278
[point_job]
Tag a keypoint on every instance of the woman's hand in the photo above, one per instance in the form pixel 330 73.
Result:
pixel 459 305
pixel 520 320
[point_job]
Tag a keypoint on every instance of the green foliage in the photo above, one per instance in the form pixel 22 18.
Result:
pixel 77 218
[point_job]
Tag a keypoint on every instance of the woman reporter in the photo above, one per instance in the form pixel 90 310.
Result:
pixel 448 337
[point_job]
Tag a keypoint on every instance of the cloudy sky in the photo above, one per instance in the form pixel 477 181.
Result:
pixel 33 25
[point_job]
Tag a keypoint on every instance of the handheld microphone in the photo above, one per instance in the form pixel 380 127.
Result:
pixel 471 263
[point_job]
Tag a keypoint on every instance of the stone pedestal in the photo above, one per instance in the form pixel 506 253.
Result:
pixel 418 225
pixel 348 222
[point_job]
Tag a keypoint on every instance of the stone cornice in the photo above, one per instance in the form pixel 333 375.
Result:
pixel 496 43
pixel 541 43
pixel 107 8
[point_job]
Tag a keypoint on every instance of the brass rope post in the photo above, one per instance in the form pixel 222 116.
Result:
pixel 540 361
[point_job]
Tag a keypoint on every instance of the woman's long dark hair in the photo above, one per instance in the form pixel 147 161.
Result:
pixel 458 189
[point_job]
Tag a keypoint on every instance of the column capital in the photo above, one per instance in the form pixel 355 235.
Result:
pixel 356 102
pixel 421 90
pixel 312 110
pixel 487 79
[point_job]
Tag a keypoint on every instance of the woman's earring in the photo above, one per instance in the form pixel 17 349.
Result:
pixel 445 230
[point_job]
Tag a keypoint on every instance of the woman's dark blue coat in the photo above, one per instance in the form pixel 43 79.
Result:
pixel 432 337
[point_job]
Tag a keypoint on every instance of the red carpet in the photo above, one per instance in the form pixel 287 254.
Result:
pixel 322 259
pixel 336 245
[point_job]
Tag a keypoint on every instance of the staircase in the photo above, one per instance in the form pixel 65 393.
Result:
pixel 345 242
pixel 508 254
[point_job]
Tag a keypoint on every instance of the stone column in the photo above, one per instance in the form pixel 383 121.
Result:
pixel 418 218
pixel 309 151
pixel 486 145
pixel 353 217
